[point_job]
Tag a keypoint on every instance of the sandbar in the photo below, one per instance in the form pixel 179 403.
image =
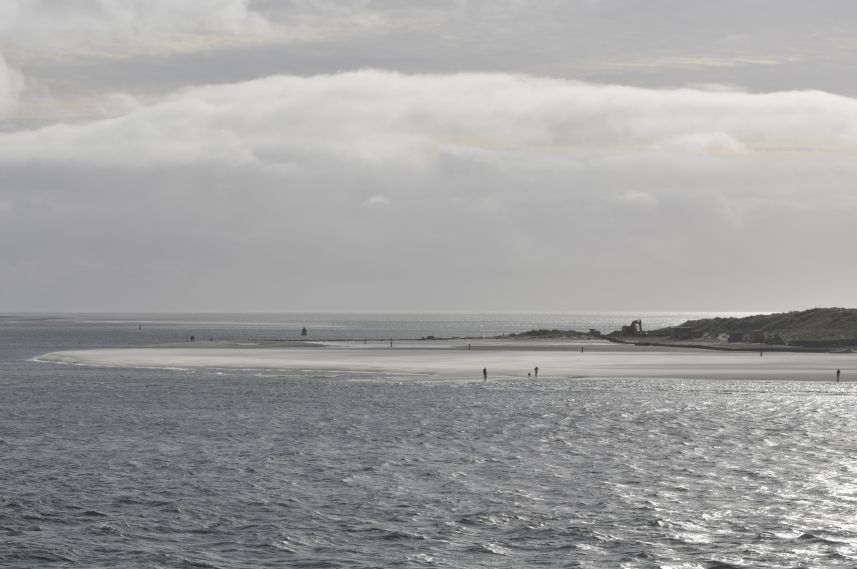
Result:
pixel 503 359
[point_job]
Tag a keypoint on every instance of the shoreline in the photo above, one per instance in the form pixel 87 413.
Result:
pixel 513 342
pixel 736 347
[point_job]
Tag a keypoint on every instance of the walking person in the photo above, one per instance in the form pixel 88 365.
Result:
pixel 484 374
pixel 536 370
pixel 837 375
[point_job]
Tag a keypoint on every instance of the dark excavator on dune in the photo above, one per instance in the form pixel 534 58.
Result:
pixel 635 328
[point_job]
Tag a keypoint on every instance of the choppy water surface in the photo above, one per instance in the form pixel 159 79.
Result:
pixel 153 468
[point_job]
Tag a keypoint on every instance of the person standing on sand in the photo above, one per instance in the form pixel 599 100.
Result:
pixel 484 374
pixel 536 369
pixel 837 375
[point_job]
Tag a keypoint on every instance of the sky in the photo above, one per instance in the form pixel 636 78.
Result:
pixel 431 156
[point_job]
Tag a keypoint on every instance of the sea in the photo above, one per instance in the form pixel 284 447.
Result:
pixel 242 468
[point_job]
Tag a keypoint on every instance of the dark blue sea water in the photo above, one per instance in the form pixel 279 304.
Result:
pixel 104 467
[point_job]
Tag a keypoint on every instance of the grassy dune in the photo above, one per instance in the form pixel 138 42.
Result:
pixel 817 326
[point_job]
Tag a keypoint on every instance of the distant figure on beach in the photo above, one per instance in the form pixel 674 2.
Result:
pixel 760 353
pixel 303 331
pixel 581 349
pixel 536 369
pixel 837 375
pixel 529 374
pixel 468 346
pixel 484 374
pixel 391 343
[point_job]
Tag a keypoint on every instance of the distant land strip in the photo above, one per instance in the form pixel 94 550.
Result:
pixel 814 330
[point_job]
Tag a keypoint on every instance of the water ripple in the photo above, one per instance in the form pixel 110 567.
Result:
pixel 235 470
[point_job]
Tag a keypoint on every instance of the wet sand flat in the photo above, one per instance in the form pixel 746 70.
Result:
pixel 503 360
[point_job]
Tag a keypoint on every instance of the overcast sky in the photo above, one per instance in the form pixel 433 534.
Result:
pixel 497 155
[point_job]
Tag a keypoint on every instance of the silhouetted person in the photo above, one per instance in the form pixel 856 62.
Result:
pixel 529 374
pixel 536 369
pixel 837 375
pixel 484 374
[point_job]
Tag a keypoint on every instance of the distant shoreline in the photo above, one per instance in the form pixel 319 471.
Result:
pixel 523 341
pixel 703 345
pixel 813 331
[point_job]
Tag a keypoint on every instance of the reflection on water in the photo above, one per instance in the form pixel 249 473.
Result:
pixel 235 469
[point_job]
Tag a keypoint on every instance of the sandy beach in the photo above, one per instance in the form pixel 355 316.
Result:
pixel 503 359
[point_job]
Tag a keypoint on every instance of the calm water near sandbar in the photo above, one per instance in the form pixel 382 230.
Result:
pixel 105 467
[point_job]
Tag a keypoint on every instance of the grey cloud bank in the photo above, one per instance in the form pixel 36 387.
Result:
pixel 375 189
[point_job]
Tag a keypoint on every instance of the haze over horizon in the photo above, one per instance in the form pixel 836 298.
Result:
pixel 457 156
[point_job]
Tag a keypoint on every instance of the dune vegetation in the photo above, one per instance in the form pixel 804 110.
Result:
pixel 817 326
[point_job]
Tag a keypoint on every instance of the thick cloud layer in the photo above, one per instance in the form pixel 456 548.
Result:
pixel 375 190
pixel 377 117
pixel 74 52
